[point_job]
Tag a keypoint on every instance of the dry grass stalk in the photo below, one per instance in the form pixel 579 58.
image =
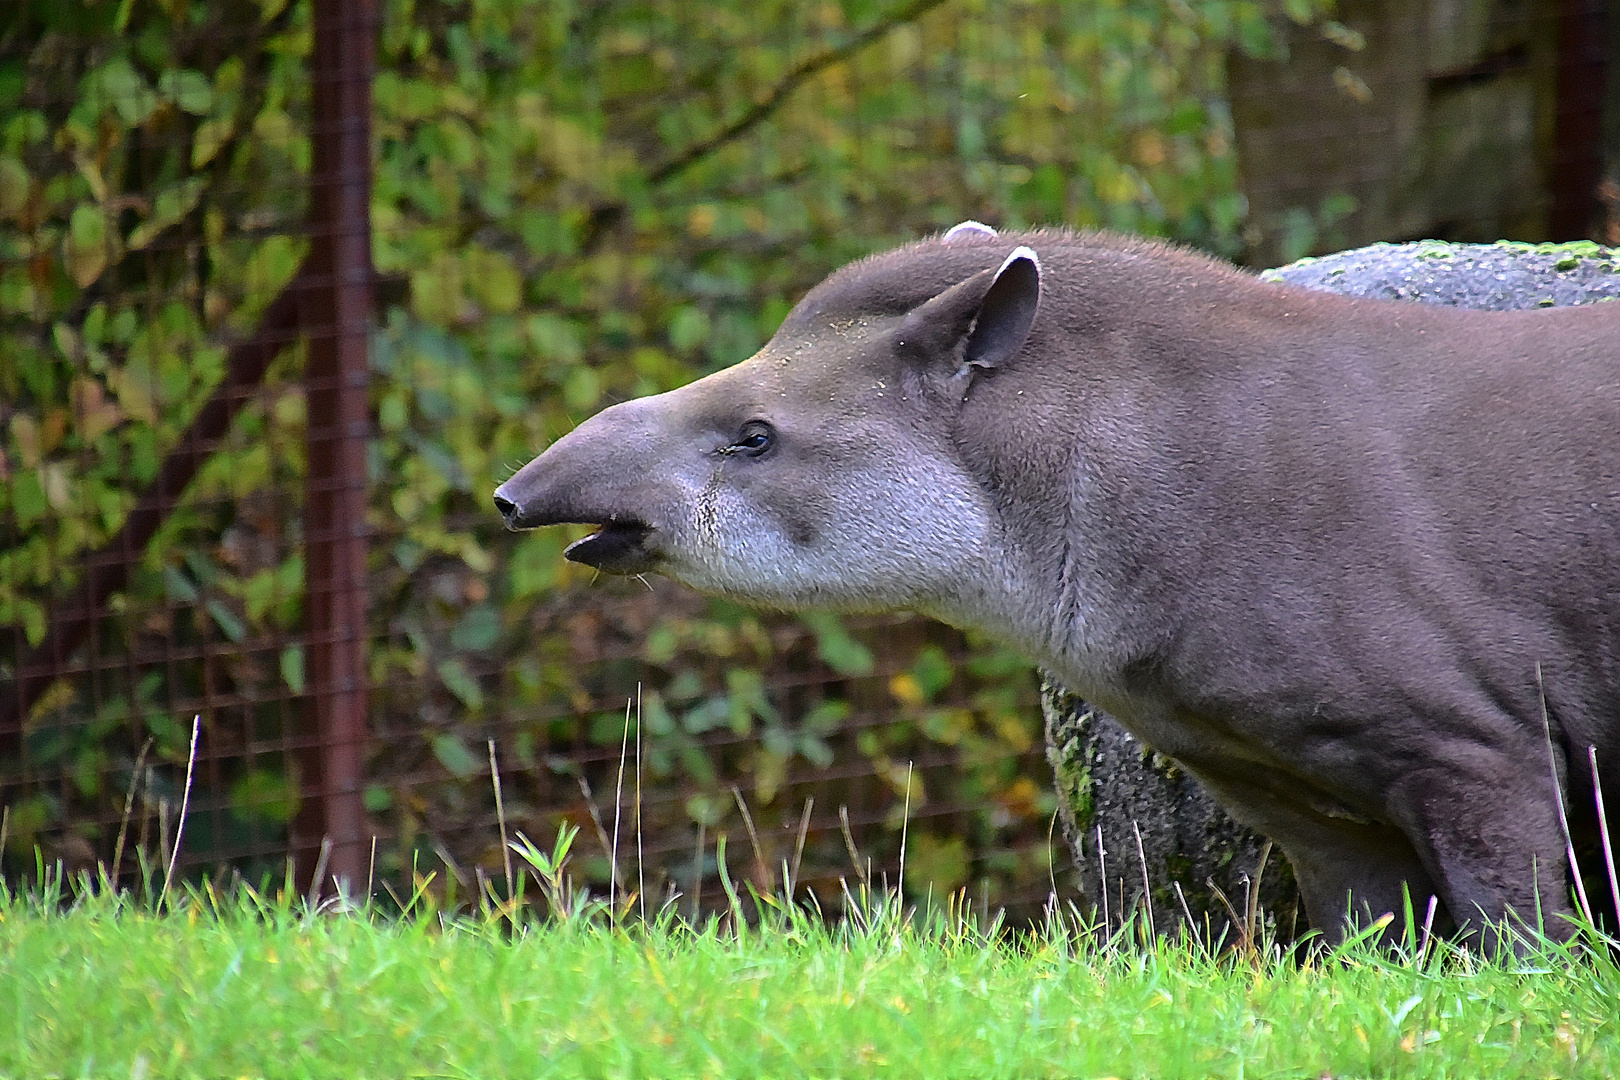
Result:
pixel 1428 925
pixel 905 826
pixel 697 871
pixel 1603 829
pixel 861 873
pixel 641 869
pixel 618 805
pixel 1192 927
pixel 596 817
pixel 314 896
pixel 185 803
pixel 500 818
pixel 1253 913
pixel 1147 888
pixel 761 868
pixel 1102 876
pixel 798 846
pixel 1558 801
pixel 129 807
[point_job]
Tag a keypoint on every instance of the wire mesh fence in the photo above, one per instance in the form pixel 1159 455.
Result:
pixel 244 474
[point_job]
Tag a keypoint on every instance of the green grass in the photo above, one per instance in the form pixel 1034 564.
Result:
pixel 256 986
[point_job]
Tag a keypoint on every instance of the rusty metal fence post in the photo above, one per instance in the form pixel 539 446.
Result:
pixel 337 321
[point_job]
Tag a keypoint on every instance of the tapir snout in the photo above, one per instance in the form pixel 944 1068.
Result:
pixel 602 473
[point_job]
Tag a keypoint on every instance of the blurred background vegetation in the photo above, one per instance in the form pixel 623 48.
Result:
pixel 576 203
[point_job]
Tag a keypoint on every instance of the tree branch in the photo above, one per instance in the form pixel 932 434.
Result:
pixel 763 109
pixel 603 217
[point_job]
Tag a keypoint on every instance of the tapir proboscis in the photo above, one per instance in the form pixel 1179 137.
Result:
pixel 1354 563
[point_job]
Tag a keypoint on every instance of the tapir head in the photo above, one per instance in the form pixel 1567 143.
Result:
pixel 824 471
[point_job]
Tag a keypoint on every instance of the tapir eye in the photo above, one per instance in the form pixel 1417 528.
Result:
pixel 754 439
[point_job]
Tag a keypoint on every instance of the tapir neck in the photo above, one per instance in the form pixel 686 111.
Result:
pixel 1045 600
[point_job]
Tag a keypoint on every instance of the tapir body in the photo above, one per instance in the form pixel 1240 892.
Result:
pixel 1354 563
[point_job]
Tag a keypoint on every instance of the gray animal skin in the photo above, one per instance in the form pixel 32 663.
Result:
pixel 1354 563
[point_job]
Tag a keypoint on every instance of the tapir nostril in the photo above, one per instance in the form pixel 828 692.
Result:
pixel 506 506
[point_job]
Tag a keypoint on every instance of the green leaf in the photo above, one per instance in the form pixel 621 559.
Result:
pixel 707 810
pixel 179 588
pixel 688 328
pixel 187 89
pixel 455 756
pixel 494 281
pixel 227 620
pixel 932 670
pixel 532 567
pixel 477 630
pixel 834 644
pixel 582 388
pixel 89 769
pixel 121 86
pixel 935 865
pixel 554 338
pixel 292 668
pixel 826 717
pixel 453 673
pixel 28 503
pixel 172 739
pixel 211 136
pixel 14 187
pixel 168 208
pixel 30 614
pixel 84 250
pixel 265 795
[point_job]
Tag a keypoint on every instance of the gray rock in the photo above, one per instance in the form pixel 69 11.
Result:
pixel 1125 809
pixel 1496 277
pixel 1152 820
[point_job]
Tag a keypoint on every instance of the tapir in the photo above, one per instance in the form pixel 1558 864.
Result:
pixel 1355 564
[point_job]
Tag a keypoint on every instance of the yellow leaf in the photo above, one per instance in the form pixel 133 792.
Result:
pixel 25 436
pixel 211 135
pixel 905 689
pixel 53 478
pixel 701 219
pixel 14 187
pixel 494 280
pixel 84 248
pixel 169 207
pixel 134 391
pixel 275 128
pixel 94 415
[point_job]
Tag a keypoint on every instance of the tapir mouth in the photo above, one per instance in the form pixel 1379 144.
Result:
pixel 618 547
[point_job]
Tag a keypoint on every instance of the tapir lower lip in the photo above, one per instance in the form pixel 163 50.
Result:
pixel 618 547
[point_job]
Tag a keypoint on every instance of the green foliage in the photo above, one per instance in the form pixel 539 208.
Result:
pixel 588 202
pixel 137 236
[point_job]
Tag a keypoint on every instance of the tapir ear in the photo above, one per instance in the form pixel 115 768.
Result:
pixel 983 321
pixel 1008 311
pixel 967 230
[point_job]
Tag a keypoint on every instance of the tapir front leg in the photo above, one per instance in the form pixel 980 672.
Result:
pixel 1350 873
pixel 1493 840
